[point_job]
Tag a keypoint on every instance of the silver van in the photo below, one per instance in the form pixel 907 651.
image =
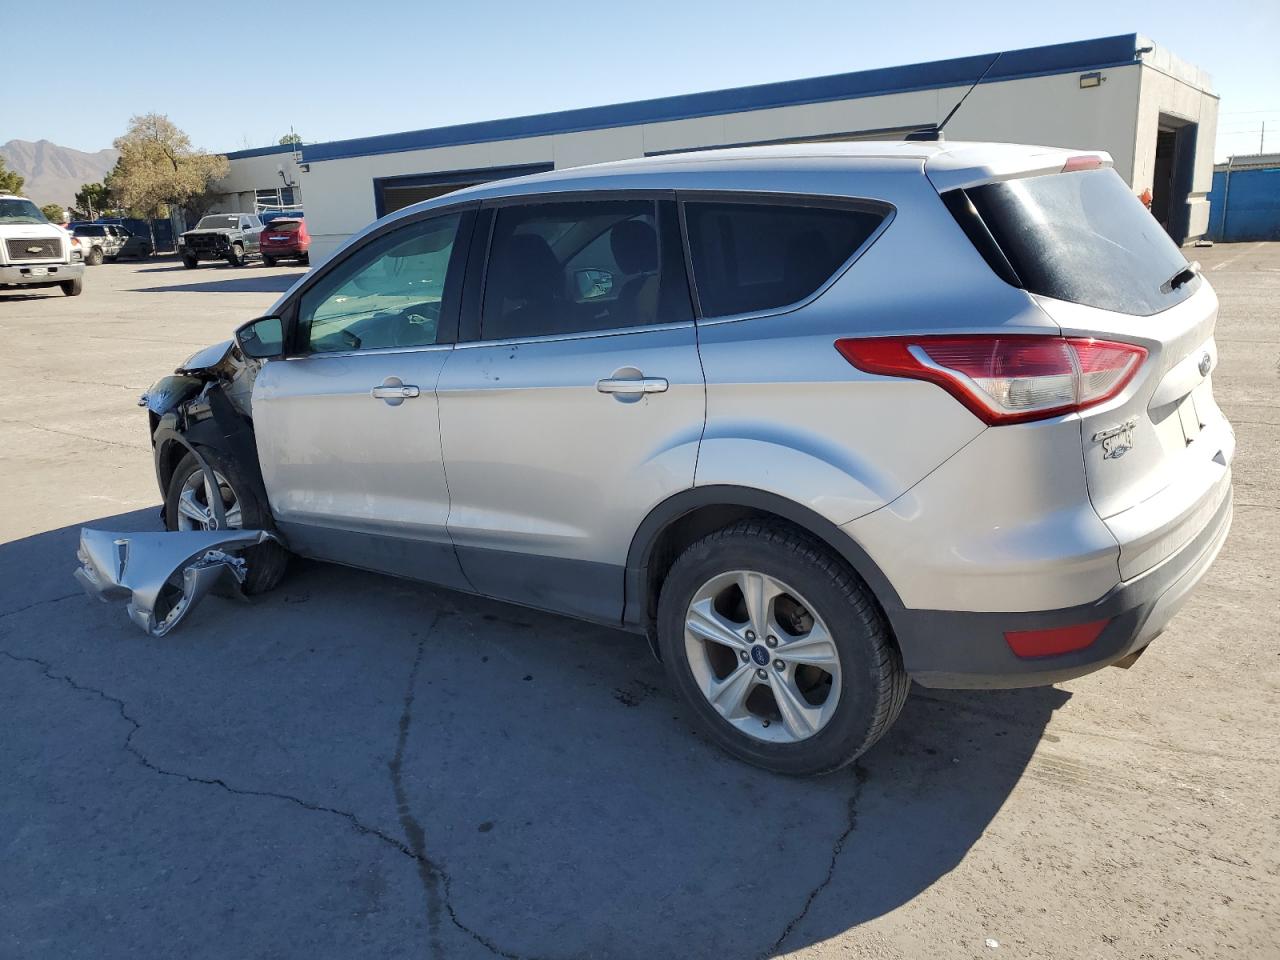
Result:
pixel 818 420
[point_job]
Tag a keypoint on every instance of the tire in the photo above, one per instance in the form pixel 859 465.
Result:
pixel 268 261
pixel 95 257
pixel 190 262
pixel 267 561
pixel 72 288
pixel 236 256
pixel 867 667
pixel 305 259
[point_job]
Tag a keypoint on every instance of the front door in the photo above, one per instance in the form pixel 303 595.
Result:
pixel 348 429
pixel 578 404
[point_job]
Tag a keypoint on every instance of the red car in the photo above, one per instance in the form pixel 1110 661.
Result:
pixel 286 238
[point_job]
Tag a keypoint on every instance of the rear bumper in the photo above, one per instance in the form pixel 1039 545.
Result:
pixel 962 649
pixel 23 274
pixel 283 250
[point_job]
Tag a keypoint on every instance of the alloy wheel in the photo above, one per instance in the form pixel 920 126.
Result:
pixel 195 499
pixel 762 656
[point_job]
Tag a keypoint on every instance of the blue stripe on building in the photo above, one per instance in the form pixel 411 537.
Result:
pixel 1079 56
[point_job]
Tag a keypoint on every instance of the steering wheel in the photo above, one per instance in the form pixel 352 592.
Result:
pixel 407 326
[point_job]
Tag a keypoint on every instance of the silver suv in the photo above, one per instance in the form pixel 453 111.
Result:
pixel 818 420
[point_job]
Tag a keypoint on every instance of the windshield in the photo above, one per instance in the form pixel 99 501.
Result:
pixel 218 223
pixel 20 211
pixel 1085 238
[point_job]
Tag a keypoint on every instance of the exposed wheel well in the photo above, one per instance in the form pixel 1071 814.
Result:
pixel 171 455
pixel 654 554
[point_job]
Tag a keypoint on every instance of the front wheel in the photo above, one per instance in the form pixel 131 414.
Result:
pixel 779 649
pixel 72 288
pixel 188 505
pixel 190 262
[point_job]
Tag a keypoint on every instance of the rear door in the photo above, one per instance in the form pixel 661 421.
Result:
pixel 578 404
pixel 348 428
pixel 1157 456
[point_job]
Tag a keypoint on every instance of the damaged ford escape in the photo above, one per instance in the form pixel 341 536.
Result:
pixel 819 420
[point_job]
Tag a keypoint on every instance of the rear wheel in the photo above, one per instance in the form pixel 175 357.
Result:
pixel 188 505
pixel 268 261
pixel 236 256
pixel 72 288
pixel 95 257
pixel 779 649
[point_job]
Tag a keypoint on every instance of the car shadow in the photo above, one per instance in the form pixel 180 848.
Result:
pixel 240 283
pixel 521 758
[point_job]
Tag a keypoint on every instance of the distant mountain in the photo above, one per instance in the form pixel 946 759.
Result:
pixel 53 173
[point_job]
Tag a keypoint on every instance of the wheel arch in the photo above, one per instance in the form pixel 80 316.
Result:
pixel 691 514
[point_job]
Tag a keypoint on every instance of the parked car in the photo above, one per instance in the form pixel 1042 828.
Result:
pixel 35 253
pixel 99 241
pixel 134 245
pixel 233 237
pixel 817 420
pixel 285 239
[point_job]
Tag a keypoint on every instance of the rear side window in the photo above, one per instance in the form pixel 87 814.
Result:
pixel 754 256
pixel 1081 237
pixel 583 266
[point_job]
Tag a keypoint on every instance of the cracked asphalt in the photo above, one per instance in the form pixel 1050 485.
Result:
pixel 353 766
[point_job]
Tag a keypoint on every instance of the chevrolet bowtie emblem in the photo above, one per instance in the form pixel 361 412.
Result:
pixel 35 249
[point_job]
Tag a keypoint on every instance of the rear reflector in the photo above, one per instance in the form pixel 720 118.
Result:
pixel 1005 379
pixel 1049 643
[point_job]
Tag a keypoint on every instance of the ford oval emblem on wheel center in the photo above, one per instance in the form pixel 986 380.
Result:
pixel 760 655
pixel 1206 364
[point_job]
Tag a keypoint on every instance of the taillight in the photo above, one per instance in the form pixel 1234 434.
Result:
pixel 1005 379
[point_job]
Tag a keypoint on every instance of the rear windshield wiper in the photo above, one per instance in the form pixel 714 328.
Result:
pixel 1185 275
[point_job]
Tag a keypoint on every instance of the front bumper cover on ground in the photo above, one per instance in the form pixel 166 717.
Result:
pixel 162 575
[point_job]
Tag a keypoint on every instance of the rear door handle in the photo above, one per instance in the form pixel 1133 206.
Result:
pixel 636 385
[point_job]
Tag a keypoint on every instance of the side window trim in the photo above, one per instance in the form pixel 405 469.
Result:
pixel 886 210
pixel 447 331
pixel 670 233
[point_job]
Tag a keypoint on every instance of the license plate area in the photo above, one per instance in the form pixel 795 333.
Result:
pixel 1189 417
pixel 38 272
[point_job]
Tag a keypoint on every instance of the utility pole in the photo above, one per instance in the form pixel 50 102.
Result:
pixel 1262 137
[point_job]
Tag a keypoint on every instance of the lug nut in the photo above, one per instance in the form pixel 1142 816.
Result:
pixel 771 641
pixel 779 664
pixel 745 656
pixel 751 635
pixel 761 674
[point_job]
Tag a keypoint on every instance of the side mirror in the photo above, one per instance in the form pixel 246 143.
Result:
pixel 261 339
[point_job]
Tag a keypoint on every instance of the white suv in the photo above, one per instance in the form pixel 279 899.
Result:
pixel 817 419
pixel 33 252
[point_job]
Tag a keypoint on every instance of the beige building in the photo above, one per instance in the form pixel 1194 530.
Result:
pixel 1155 114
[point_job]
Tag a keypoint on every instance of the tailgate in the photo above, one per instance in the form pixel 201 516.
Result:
pixel 1157 458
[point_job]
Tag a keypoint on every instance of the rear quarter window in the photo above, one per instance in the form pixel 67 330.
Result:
pixel 754 256
pixel 1082 237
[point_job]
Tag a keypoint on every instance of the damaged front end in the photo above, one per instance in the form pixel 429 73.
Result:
pixel 163 576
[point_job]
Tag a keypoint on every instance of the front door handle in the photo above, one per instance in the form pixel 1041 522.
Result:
pixel 394 392
pixel 632 385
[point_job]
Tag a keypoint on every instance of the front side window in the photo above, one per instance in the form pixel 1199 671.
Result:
pixel 579 266
pixel 389 293
pixel 752 256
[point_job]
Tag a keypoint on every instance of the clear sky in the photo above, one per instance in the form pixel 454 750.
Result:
pixel 236 74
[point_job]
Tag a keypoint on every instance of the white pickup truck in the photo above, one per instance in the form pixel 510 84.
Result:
pixel 34 252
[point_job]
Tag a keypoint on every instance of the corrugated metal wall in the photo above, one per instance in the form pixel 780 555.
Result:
pixel 1247 209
